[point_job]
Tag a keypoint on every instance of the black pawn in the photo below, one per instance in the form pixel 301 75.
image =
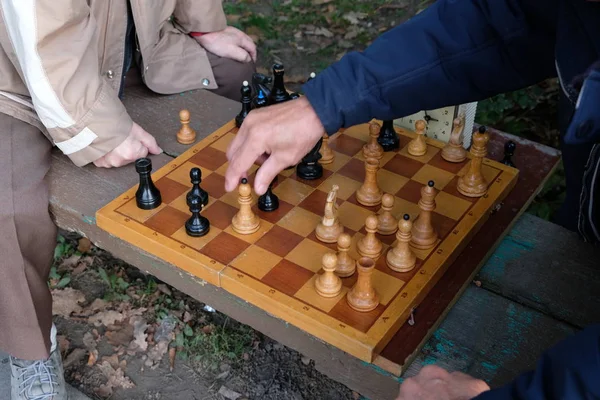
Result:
pixel 294 96
pixel 509 151
pixel 147 196
pixel 269 201
pixel 246 104
pixel 197 225
pixel 388 137
pixel 197 191
pixel 309 168
pixel 278 92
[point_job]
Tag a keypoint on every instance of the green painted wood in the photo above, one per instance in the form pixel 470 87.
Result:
pixel 490 337
pixel 547 268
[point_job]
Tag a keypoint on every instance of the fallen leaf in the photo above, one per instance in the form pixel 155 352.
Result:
pixel 106 318
pixel 156 353
pixel 92 358
pixel 63 343
pixel 228 393
pixel 319 2
pixel 68 263
pixel 120 337
pixel 84 245
pixel 74 357
pixel 116 379
pixel 207 329
pixel 66 301
pixel 89 342
pixel 98 305
pixel 139 342
pixel 172 353
pixel 164 289
pixel 354 17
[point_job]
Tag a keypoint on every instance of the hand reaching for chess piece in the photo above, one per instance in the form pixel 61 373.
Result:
pixel 282 133
pixel 138 144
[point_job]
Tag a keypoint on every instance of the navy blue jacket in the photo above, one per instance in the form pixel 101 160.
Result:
pixel 458 51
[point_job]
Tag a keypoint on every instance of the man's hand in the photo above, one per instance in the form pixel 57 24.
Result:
pixel 137 145
pixel 435 383
pixel 229 43
pixel 284 132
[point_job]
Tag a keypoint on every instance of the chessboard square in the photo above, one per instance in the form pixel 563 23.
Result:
pixel 451 206
pixel 402 206
pixel 169 189
pixel 339 160
pixel 439 162
pixel 209 158
pixel 389 182
pixel 231 198
pixel 353 216
pixel 220 214
pixel 222 170
pixel 131 210
pixel 354 169
pixel 214 185
pixel 431 152
pixel 411 191
pixel 308 254
pixel 452 190
pixel 442 224
pixel 356 319
pixel 287 277
pixel 300 221
pixel 314 182
pixel 346 185
pixel 195 242
pixel 360 131
pixel 223 142
pixel 264 227
pixel 353 252
pixel 315 202
pixel 181 174
pixel 346 144
pixel 167 221
pixel 292 191
pixel 404 166
pixel 273 216
pixel 309 295
pixel 288 171
pixel 256 261
pixel 224 248
pixel 428 173
pixel 382 266
pixel 385 285
pixel 279 241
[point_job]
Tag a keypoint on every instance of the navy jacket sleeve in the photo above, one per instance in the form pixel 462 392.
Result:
pixel 570 370
pixel 453 52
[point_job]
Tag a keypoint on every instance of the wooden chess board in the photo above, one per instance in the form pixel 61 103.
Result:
pixel 275 268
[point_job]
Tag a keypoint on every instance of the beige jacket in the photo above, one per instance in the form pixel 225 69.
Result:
pixel 61 63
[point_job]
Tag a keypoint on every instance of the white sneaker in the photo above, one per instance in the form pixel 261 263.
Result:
pixel 38 380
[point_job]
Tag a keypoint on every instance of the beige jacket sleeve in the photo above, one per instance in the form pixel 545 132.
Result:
pixel 200 15
pixel 55 45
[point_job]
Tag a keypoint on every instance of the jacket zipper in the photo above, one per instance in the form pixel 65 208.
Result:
pixel 560 81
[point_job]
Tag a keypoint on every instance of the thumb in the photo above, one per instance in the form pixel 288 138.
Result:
pixel 238 53
pixel 150 143
pixel 266 173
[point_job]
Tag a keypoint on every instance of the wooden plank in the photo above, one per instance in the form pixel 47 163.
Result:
pixel 490 337
pixel 547 268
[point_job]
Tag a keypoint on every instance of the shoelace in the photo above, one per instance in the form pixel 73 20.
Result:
pixel 36 376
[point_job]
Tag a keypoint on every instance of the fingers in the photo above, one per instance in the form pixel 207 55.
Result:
pixel 239 54
pixel 240 163
pixel 266 173
pixel 146 139
pixel 248 44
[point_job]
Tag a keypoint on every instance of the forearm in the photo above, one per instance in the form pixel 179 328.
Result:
pixel 570 370
pixel 453 52
pixel 200 16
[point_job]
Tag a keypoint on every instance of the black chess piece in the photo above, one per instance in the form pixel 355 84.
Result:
pixel 509 151
pixel 197 225
pixel 309 168
pixel 294 96
pixel 197 191
pixel 278 92
pixel 269 201
pixel 147 196
pixel 262 82
pixel 388 137
pixel 246 104
pixel 260 100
